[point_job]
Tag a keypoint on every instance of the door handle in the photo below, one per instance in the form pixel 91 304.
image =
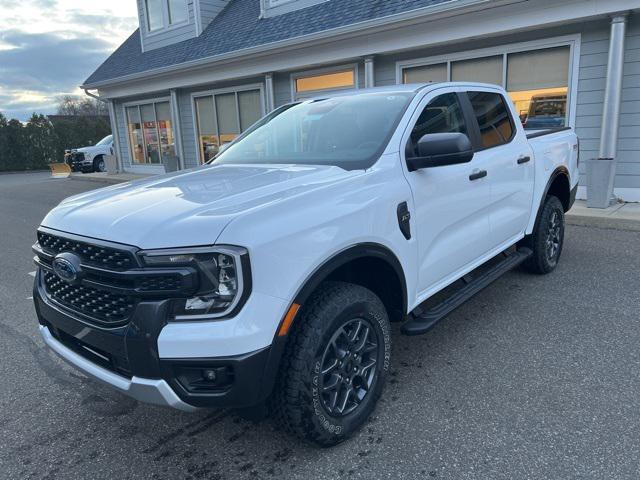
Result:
pixel 478 175
pixel 524 159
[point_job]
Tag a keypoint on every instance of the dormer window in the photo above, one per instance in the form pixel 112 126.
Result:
pixel 163 14
pixel 271 8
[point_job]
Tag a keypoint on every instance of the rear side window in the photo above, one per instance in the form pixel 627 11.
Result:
pixel 494 119
pixel 442 115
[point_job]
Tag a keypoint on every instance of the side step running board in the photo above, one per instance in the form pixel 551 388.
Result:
pixel 427 319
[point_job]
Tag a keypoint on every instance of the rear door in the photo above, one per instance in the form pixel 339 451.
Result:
pixel 505 153
pixel 451 203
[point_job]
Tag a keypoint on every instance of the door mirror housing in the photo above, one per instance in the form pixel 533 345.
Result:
pixel 440 149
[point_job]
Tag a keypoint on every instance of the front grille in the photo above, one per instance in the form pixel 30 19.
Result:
pixel 104 308
pixel 77 156
pixel 97 255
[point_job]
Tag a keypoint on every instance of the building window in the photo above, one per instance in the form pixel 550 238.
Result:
pixel 485 70
pixel 307 84
pixel 537 79
pixel 222 116
pixel 151 137
pixel 178 12
pixel 165 13
pixel 425 74
pixel 538 84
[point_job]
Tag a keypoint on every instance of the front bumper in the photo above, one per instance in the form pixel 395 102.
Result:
pixel 135 360
pixel 157 392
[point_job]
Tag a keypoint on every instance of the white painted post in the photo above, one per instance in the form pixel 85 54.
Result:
pixel 369 73
pixel 269 92
pixel 114 132
pixel 177 128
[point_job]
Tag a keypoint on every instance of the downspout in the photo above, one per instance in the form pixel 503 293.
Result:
pixel 601 172
pixel 114 125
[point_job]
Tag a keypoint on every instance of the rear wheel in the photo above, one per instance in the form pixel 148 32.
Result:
pixel 547 239
pixel 335 364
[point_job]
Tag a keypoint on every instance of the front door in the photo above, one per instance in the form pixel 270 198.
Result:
pixel 451 203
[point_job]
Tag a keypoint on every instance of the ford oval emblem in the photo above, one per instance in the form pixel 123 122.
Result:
pixel 67 267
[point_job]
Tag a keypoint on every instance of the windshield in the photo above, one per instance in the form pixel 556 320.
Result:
pixel 106 140
pixel 348 131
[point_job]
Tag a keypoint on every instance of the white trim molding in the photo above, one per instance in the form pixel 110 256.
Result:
pixel 572 41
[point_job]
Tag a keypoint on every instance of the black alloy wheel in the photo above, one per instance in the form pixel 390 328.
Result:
pixel 349 367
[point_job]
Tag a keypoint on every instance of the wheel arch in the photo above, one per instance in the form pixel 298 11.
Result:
pixel 357 264
pixel 558 185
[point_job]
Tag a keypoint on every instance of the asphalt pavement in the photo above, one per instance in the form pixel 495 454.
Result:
pixel 534 378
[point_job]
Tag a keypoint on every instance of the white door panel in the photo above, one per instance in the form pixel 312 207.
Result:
pixel 451 210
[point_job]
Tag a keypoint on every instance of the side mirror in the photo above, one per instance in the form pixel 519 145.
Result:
pixel 440 149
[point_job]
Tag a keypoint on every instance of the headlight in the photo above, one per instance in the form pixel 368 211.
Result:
pixel 221 282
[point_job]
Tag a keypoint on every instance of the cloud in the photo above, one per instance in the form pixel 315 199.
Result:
pixel 32 3
pixel 38 68
pixel 104 23
pixel 48 47
pixel 48 62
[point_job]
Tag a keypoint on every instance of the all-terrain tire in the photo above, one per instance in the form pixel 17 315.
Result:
pixel 547 238
pixel 303 402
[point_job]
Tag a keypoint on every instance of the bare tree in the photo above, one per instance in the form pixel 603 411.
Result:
pixel 78 106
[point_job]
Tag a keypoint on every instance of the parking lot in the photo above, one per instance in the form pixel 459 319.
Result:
pixel 535 378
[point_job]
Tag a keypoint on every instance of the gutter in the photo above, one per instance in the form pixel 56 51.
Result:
pixel 415 15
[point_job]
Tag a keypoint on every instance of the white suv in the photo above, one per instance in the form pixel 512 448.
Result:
pixel 271 276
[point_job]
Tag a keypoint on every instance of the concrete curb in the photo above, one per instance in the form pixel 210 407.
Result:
pixel 603 222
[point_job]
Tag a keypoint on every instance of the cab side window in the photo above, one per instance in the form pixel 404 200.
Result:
pixel 494 119
pixel 442 115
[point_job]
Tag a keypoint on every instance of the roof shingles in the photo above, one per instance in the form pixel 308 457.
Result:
pixel 239 26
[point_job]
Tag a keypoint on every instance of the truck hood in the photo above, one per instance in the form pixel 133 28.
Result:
pixel 188 208
pixel 86 149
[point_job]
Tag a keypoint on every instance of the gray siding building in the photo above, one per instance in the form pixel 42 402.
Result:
pixel 199 72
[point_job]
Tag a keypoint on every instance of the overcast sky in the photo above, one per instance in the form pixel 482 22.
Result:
pixel 49 47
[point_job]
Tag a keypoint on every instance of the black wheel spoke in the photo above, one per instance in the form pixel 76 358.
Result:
pixel 332 384
pixel 362 341
pixel 365 367
pixel 331 367
pixel 356 330
pixel 345 399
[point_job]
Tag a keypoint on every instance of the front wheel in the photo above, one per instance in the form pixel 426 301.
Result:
pixel 99 165
pixel 547 239
pixel 335 364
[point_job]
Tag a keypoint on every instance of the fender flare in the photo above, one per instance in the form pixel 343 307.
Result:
pixel 354 252
pixel 561 170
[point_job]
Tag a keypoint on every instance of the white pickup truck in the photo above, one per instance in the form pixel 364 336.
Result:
pixel 271 276
pixel 90 159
